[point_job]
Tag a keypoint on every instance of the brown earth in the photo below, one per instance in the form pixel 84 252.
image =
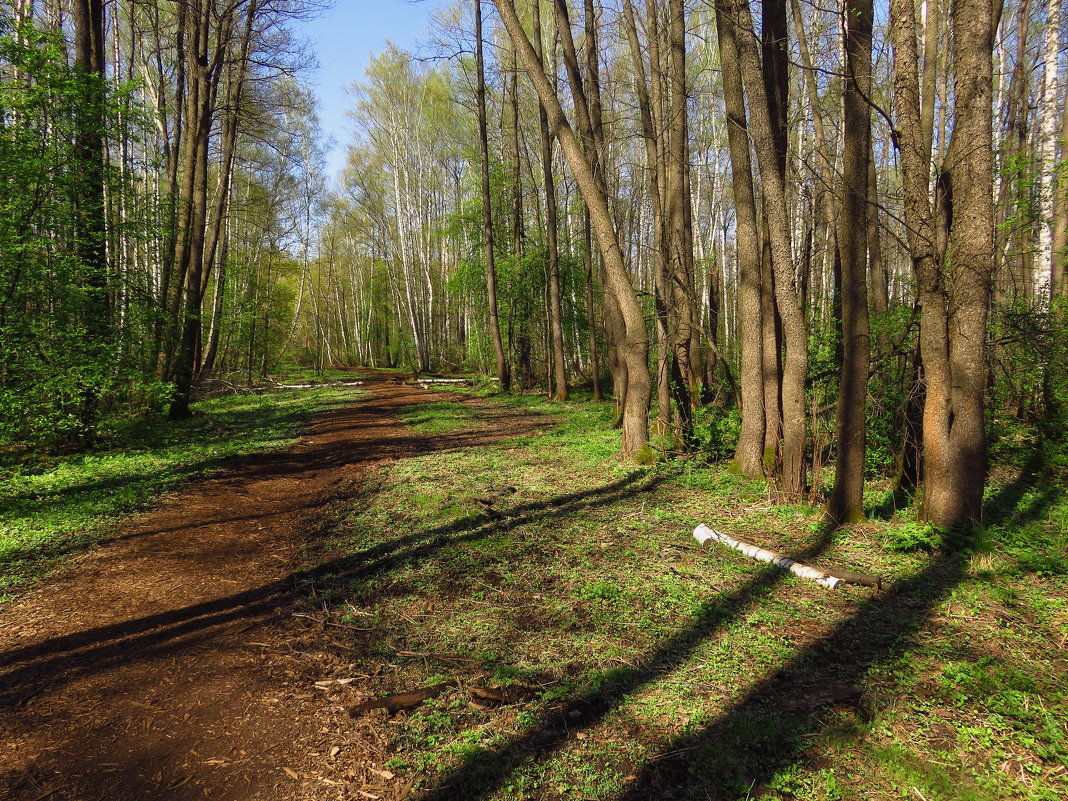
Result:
pixel 179 660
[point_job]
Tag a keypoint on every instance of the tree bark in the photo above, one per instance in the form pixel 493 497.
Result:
pixel 749 452
pixel 634 345
pixel 90 205
pixel 556 306
pixel 954 286
pixel 795 335
pixel 503 374
pixel 846 501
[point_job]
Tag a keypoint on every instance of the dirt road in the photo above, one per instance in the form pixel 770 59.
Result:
pixel 170 663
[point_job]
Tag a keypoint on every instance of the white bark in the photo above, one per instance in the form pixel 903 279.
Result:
pixel 703 534
pixel 1049 117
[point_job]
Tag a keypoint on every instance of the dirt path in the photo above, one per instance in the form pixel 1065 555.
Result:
pixel 169 663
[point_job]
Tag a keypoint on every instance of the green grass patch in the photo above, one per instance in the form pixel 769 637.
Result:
pixel 649 666
pixel 54 507
pixel 437 418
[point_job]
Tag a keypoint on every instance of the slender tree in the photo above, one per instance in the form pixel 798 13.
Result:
pixel 635 344
pixel 503 373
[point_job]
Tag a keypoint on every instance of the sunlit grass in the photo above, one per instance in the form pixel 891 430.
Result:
pixel 605 609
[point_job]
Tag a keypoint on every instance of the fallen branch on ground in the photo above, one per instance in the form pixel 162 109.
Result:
pixel 395 702
pixel 828 578
pixel 320 384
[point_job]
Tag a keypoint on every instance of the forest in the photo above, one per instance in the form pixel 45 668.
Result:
pixel 824 239
pixel 805 258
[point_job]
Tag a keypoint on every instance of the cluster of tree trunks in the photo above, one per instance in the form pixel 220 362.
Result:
pixel 950 239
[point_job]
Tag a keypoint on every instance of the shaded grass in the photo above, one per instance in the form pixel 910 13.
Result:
pixel 54 507
pixel 649 668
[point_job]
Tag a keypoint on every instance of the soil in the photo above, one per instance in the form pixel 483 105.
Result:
pixel 179 660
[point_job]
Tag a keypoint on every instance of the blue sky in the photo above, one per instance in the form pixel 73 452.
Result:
pixel 344 38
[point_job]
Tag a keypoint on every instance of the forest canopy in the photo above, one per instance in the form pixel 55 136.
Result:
pixel 825 242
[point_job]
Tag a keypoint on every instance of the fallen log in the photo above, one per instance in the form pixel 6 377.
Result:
pixel 828 578
pixel 395 702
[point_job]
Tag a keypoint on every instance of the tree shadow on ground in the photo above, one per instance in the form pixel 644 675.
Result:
pixel 779 720
pixel 1027 498
pixel 63 659
pixel 485 771
pixel 770 727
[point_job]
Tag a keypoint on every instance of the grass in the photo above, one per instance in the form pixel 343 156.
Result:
pixel 644 667
pixel 52 508
pixel 637 665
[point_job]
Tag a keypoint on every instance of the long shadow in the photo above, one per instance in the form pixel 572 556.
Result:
pixel 1003 507
pixel 898 498
pixel 768 728
pixel 778 719
pixel 774 723
pixel 63 659
pixel 258 467
pixel 485 771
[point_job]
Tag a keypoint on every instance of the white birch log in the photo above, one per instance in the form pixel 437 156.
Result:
pixel 703 534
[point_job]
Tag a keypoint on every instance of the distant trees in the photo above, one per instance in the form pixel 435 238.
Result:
pixel 124 129
pixel 810 237
pixel 809 304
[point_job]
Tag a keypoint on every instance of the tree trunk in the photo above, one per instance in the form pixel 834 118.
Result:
pixel 90 205
pixel 503 374
pixel 776 212
pixel 556 307
pixel 954 288
pixel 749 453
pixel 846 502
pixel 634 345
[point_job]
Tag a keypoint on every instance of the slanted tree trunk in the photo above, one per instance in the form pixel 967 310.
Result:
pixel 846 502
pixel 503 374
pixel 634 346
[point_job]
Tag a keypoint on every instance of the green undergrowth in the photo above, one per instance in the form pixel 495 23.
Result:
pixel 52 507
pixel 636 665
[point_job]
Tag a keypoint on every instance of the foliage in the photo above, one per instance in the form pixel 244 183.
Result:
pixel 63 369
pixel 715 431
pixel 54 507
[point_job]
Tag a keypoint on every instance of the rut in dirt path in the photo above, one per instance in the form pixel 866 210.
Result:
pixel 162 665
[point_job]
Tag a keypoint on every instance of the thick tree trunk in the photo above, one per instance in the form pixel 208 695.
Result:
pixel 954 287
pixel 846 502
pixel 204 62
pixel 954 424
pixel 795 335
pixel 680 227
pixel 90 205
pixel 749 453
